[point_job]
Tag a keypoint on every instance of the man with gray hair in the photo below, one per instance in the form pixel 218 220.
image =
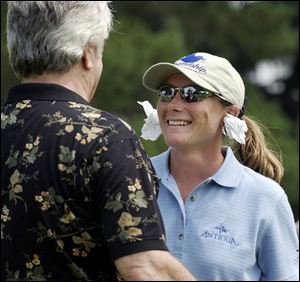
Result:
pixel 78 192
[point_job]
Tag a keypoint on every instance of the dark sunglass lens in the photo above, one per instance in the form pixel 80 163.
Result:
pixel 189 94
pixel 166 94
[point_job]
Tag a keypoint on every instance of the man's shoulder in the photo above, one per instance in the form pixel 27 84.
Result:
pixel 86 116
pixel 98 124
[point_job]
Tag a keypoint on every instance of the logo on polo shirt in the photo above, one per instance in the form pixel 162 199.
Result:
pixel 220 233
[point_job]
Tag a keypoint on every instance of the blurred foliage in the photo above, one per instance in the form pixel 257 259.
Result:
pixel 147 32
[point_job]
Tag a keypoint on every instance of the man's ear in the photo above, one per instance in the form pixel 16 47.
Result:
pixel 233 111
pixel 87 57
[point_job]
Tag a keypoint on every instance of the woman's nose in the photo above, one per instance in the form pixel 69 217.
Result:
pixel 177 102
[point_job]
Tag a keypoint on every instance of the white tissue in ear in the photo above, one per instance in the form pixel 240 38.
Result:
pixel 235 128
pixel 151 129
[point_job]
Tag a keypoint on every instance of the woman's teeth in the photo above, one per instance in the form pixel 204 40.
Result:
pixel 178 122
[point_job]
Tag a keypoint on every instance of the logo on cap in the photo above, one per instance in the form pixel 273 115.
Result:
pixel 192 58
pixel 192 62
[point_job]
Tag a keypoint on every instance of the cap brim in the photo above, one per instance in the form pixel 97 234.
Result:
pixel 157 74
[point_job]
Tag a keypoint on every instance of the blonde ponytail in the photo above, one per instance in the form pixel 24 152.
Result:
pixel 256 155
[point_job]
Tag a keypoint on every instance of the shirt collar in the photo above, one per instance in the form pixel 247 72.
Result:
pixel 43 91
pixel 228 175
pixel 230 172
pixel 161 164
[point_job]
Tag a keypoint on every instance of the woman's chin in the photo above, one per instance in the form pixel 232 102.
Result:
pixel 175 141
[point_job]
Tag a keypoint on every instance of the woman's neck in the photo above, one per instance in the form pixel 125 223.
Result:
pixel 189 168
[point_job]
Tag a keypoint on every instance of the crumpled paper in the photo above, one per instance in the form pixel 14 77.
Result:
pixel 235 128
pixel 151 129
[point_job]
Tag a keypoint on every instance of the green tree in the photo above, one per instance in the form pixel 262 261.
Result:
pixel 147 32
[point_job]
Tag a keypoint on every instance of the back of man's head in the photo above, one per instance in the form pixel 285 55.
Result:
pixel 50 36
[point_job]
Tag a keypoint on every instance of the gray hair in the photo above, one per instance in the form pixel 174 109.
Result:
pixel 50 36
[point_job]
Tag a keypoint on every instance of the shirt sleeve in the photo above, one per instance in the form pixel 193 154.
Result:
pixel 130 218
pixel 278 255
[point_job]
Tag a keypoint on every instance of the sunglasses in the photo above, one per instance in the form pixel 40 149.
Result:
pixel 188 94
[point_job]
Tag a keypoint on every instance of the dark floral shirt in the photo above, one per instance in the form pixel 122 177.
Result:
pixel 77 189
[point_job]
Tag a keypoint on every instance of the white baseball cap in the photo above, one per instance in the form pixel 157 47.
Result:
pixel 208 71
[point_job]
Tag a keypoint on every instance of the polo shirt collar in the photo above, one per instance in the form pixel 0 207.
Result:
pixel 228 175
pixel 230 172
pixel 161 163
pixel 43 91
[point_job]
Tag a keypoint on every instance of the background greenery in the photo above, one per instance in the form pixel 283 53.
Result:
pixel 147 32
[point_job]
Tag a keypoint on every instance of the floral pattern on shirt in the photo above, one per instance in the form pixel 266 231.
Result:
pixel 76 186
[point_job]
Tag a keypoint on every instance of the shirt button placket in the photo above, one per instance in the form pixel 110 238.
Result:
pixel 193 198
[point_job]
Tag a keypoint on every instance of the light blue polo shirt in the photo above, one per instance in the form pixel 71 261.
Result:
pixel 235 225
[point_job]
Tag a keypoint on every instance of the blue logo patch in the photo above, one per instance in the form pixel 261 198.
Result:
pixel 192 62
pixel 192 58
